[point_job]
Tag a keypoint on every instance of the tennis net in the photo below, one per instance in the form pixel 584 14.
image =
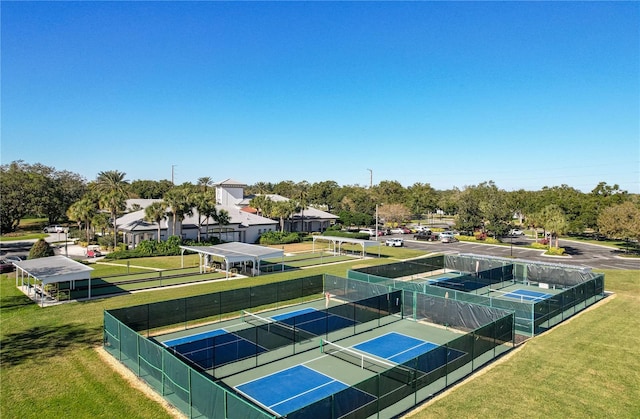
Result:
pixel 273 326
pixel 396 371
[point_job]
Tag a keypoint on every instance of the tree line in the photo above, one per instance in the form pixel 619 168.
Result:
pixel 38 190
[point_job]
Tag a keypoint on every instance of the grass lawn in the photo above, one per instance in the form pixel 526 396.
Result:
pixel 586 367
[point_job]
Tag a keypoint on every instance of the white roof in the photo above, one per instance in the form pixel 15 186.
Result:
pixel 237 252
pixel 54 269
pixel 134 221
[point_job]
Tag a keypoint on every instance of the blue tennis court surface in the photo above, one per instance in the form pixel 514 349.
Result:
pixel 194 337
pixel 526 295
pixel 294 388
pixel 317 322
pixel 415 353
pixel 214 348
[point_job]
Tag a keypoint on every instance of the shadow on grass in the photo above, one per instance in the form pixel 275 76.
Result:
pixel 13 302
pixel 45 341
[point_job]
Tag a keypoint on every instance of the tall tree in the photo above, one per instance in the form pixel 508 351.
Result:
pixel 283 210
pixel 285 188
pixel 83 211
pixel 389 192
pixel 301 196
pixel 16 195
pixel 205 204
pixel 181 203
pixel 204 183
pixel 149 189
pixel 262 204
pixel 325 195
pixel 155 213
pixel 621 221
pixel 554 220
pixel 223 219
pixel 111 187
pixel 394 213
pixel 421 199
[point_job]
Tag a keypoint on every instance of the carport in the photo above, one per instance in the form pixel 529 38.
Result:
pixel 337 242
pixel 234 252
pixel 50 270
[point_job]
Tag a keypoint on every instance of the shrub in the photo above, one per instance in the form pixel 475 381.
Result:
pixel 279 237
pixel 334 233
pixel 491 240
pixel 556 251
pixel 539 245
pixel 40 249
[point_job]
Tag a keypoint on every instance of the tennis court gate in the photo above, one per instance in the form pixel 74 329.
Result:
pixel 580 286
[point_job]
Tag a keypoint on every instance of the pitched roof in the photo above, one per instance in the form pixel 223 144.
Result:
pixel 230 182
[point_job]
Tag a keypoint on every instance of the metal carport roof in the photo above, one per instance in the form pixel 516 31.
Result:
pixel 236 252
pixel 337 240
pixel 51 270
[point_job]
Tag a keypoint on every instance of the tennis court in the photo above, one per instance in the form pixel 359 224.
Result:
pixel 526 295
pixel 335 379
pixel 294 388
pixel 253 335
pixel 402 349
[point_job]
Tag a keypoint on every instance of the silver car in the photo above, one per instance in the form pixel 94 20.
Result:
pixel 447 237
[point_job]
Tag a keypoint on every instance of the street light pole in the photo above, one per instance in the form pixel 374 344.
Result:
pixel 66 239
pixel 371 186
pixel 511 251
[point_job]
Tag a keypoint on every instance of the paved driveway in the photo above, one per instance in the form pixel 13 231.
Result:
pixel 578 253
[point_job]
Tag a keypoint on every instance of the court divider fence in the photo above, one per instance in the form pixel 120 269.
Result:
pixel 194 393
pixel 397 388
pixel 580 287
pixel 198 394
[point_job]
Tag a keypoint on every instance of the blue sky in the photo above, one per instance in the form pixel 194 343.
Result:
pixel 527 94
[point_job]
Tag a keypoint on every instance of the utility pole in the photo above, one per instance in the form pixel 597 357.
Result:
pixel 172 173
pixel 370 187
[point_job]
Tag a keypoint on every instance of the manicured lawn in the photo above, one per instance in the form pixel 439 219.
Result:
pixel 586 367
pixel 21 237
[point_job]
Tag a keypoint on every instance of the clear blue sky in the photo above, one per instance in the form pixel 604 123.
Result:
pixel 526 94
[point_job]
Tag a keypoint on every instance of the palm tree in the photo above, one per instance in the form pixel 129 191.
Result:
pixel 283 210
pixel 83 210
pixel 155 213
pixel 262 204
pixel 179 199
pixel 111 187
pixel 205 204
pixel 301 195
pixel 222 218
pixel 205 182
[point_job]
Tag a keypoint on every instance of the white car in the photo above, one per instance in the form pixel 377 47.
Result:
pixel 394 242
pixel 447 237
pixel 516 232
pixel 53 229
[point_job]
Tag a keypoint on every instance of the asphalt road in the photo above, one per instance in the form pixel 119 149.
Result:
pixel 578 253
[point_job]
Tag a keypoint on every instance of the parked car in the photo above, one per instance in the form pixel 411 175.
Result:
pixel 516 232
pixel 13 258
pixel 371 232
pixel 400 230
pixel 6 266
pixel 394 242
pixel 53 229
pixel 447 237
pixel 426 235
